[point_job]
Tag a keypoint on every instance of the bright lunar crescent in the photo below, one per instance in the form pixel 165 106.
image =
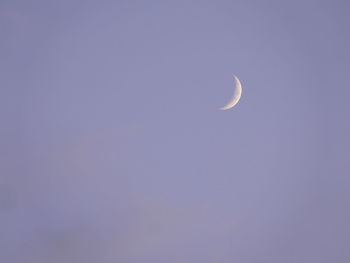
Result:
pixel 236 95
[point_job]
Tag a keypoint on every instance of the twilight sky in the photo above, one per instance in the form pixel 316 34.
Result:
pixel 112 147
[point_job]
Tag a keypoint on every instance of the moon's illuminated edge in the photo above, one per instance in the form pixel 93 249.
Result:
pixel 236 95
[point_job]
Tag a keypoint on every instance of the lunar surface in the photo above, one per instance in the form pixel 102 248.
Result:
pixel 236 95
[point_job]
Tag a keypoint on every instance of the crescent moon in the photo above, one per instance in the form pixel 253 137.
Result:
pixel 236 95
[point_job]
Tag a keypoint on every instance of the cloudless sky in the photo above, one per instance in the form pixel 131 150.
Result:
pixel 112 147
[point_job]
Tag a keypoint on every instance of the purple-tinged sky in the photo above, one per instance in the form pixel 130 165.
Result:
pixel 112 147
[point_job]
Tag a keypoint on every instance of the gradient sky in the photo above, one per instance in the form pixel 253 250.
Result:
pixel 112 147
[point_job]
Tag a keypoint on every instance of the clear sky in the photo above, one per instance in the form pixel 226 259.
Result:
pixel 112 147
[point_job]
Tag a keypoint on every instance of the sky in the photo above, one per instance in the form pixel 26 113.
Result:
pixel 113 147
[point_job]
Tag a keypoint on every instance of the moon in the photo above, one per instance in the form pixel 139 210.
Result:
pixel 236 95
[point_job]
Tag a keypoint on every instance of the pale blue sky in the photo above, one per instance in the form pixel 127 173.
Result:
pixel 113 148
